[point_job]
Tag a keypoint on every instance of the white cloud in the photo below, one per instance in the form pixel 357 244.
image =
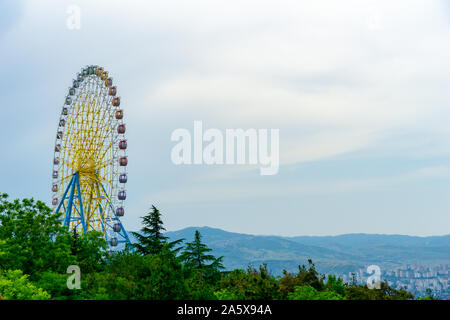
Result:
pixel 334 77
pixel 208 192
pixel 319 68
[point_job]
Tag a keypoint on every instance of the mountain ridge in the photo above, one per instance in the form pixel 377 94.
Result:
pixel 311 236
pixel 332 254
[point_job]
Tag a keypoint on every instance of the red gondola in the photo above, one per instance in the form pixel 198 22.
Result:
pixel 112 91
pixel 121 129
pixel 123 161
pixel 123 144
pixel 119 114
pixel 116 102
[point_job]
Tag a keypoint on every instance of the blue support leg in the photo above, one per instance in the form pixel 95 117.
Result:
pixel 80 201
pixel 69 206
pixel 64 196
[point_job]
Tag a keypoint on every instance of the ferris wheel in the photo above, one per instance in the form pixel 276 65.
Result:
pixel 90 161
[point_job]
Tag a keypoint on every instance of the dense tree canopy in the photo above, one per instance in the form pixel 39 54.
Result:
pixel 35 251
pixel 31 237
pixel 14 285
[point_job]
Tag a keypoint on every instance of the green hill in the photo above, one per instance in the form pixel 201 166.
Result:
pixel 332 254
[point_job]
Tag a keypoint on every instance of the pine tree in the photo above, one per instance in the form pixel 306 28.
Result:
pixel 151 238
pixel 195 256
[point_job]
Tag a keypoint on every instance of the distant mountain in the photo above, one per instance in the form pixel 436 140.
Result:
pixel 361 240
pixel 331 254
pixel 386 250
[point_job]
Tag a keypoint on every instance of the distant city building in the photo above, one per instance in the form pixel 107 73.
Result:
pixel 418 279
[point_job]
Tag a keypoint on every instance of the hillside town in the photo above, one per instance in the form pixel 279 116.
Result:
pixel 418 279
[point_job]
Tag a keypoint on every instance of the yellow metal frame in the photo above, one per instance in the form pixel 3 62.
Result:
pixel 89 147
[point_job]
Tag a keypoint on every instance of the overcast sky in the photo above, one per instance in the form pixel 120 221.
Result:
pixel 358 89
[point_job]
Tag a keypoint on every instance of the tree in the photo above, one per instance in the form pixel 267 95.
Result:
pixel 335 284
pixel 32 238
pixel 362 292
pixel 119 280
pixel 161 277
pixel 151 238
pixel 429 295
pixel 251 285
pixel 198 287
pixel 309 293
pixel 14 285
pixel 195 255
pixel 305 277
pixel 131 275
pixel 56 285
pixel 109 286
pixel 89 250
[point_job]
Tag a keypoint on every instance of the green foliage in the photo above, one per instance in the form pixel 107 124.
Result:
pixel 56 285
pixel 109 286
pixel 14 285
pixel 129 275
pixel 125 263
pixel 161 277
pixel 310 293
pixel 195 257
pixel 31 237
pixel 151 239
pixel 252 284
pixel 335 284
pixel 198 288
pixel 39 250
pixel 225 294
pixel 429 296
pixel 89 250
pixel 362 292
pixel 305 277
